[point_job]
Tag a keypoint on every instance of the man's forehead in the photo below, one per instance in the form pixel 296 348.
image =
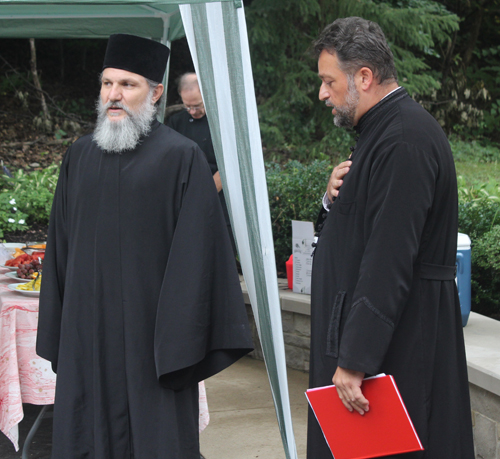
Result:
pixel 328 64
pixel 193 94
pixel 111 73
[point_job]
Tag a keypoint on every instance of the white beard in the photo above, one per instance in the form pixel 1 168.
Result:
pixel 121 135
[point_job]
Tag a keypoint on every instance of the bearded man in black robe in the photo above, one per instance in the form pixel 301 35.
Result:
pixel 384 298
pixel 140 298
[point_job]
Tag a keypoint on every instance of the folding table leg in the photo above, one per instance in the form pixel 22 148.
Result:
pixel 32 432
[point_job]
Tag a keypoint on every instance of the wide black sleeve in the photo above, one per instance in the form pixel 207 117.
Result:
pixel 401 192
pixel 54 273
pixel 202 325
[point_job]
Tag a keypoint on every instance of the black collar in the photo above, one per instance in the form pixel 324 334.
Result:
pixel 375 111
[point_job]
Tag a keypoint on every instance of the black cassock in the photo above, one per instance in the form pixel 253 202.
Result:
pixel 140 299
pixel 198 131
pixel 384 298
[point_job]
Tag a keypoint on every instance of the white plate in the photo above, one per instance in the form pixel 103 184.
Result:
pixel 13 275
pixel 12 268
pixel 13 245
pixel 24 292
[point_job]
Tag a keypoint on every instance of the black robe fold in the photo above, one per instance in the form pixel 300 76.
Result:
pixel 377 304
pixel 140 298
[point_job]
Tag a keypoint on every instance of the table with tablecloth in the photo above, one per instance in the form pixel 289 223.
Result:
pixel 25 377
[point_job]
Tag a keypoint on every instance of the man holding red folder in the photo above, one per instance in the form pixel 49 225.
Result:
pixel 384 298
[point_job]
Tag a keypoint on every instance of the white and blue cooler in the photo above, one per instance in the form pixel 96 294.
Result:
pixel 463 275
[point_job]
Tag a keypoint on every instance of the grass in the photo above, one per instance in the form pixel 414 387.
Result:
pixel 477 164
pixel 474 172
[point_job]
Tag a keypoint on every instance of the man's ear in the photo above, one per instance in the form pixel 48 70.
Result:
pixel 157 93
pixel 365 78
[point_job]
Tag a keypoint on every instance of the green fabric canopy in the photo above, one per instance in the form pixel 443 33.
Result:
pixel 157 19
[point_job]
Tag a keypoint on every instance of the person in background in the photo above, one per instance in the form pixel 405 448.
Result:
pixel 140 297
pixel 384 297
pixel 193 124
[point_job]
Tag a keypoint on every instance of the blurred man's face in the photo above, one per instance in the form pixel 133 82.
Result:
pixel 338 90
pixel 193 103
pixel 125 88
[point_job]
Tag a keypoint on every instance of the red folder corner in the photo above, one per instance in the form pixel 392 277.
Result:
pixel 384 430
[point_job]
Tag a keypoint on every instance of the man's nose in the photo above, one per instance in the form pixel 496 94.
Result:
pixel 115 93
pixel 323 94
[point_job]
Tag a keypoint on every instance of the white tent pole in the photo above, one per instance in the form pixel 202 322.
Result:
pixel 218 41
pixel 163 103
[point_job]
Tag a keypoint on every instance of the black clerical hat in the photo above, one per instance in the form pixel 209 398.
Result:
pixel 137 55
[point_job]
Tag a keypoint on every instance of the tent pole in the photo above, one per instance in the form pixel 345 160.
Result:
pixel 164 40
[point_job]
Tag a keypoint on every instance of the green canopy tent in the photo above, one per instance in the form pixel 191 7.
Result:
pixel 218 41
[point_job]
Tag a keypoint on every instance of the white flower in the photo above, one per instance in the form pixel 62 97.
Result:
pixel 12 202
pixel 11 220
pixel 21 222
pixel 15 209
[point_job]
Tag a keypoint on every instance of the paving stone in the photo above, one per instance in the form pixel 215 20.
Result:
pixel 485 437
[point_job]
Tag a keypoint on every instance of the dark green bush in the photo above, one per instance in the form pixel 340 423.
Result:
pixel 295 193
pixel 477 217
pixel 32 193
pixel 485 276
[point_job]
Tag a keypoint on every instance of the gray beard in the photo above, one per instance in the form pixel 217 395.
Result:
pixel 119 136
pixel 345 113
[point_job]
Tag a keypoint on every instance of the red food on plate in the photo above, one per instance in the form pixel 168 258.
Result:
pixel 18 260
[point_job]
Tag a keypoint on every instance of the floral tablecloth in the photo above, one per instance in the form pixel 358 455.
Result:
pixel 25 377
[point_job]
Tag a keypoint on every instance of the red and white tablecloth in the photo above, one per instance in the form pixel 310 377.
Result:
pixel 25 377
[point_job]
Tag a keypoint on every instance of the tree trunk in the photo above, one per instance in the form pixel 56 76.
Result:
pixel 447 61
pixel 36 80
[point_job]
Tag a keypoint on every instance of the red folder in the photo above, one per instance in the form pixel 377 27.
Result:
pixel 384 430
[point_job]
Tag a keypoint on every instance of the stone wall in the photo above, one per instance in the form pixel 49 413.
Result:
pixel 486 421
pixel 296 333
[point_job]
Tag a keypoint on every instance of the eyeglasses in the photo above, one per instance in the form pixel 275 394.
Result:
pixel 193 108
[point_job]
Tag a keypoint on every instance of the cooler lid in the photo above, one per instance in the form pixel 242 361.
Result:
pixel 463 242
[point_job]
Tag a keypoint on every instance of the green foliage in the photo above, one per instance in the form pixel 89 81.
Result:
pixel 286 80
pixel 79 107
pixel 33 193
pixel 479 217
pixel 294 124
pixel 295 193
pixel 11 219
pixel 413 29
pixel 485 277
pixel 473 151
pixel 59 134
pixel 11 83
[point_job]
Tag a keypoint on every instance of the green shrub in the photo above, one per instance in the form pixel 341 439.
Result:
pixel 485 276
pixel 295 193
pixel 32 193
pixel 473 150
pixel 478 217
pixel 11 218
